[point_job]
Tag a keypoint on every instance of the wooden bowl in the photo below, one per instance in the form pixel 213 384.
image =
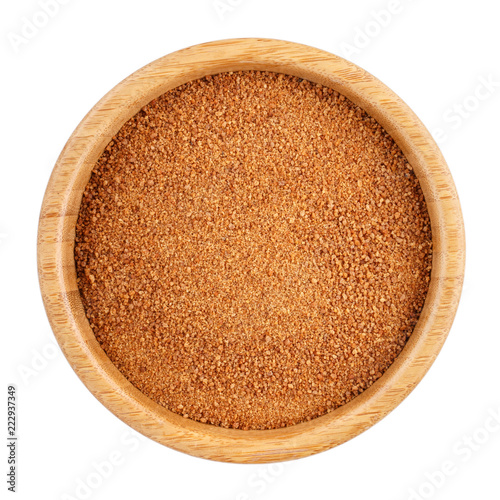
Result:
pixel 57 272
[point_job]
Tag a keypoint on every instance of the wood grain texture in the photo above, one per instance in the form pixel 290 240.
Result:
pixel 57 273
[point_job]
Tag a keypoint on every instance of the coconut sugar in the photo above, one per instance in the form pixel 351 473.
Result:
pixel 253 250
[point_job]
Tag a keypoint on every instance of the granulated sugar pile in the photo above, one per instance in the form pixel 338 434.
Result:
pixel 252 250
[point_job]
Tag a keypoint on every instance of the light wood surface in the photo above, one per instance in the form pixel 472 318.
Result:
pixel 57 273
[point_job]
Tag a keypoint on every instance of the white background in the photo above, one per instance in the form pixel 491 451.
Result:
pixel 434 54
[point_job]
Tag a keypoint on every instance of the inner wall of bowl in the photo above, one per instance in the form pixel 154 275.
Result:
pixel 139 99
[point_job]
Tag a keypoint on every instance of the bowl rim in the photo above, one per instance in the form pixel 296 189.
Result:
pixel 57 273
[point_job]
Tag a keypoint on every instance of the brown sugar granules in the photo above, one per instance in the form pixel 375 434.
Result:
pixel 252 250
